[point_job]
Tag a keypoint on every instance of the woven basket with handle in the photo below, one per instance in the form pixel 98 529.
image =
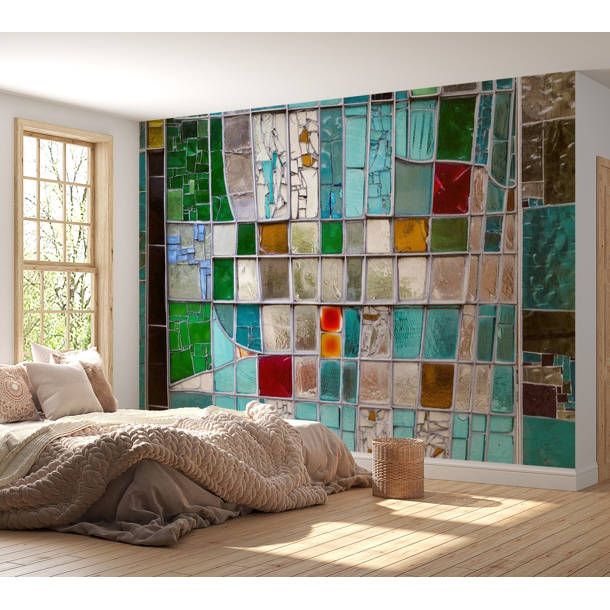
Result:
pixel 398 468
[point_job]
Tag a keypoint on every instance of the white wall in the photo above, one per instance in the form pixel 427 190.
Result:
pixel 125 134
pixel 592 139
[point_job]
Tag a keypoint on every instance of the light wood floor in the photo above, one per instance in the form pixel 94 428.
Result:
pixel 457 529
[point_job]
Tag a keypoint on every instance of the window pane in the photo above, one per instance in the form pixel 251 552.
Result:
pixel 55 290
pixel 29 198
pixel 77 163
pixel 81 291
pixel 55 328
pixel 30 240
pixel 77 203
pixel 31 333
pixel 29 156
pixel 51 241
pixel 77 250
pixel 31 291
pixel 51 201
pixel 51 160
pixel 81 327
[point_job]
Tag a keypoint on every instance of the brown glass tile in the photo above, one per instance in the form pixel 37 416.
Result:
pixel 273 238
pixel 533 98
pixel 156 211
pixel 549 331
pixel 532 152
pixel 437 385
pixel 156 285
pixel 510 200
pixel 560 88
pixel 539 400
pixel 559 161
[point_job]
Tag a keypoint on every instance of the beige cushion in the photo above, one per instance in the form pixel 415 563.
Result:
pixel 16 402
pixel 63 389
pixel 91 361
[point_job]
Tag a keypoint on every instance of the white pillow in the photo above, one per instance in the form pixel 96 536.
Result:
pixel 41 353
pixel 63 389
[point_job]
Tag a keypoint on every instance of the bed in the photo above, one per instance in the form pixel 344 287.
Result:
pixel 151 477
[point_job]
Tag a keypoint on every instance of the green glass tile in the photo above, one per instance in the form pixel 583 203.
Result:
pixel 180 400
pixel 351 340
pixel 225 402
pixel 306 410
pixel 350 381
pixel 224 314
pixel 441 333
pixel 456 128
pixel 501 448
pixel 501 424
pixel 479 422
pixel 477 447
pixel 330 416
pixel 495 198
pixel 332 237
pixel 424 91
pixel 493 233
pixel 246 376
pixel 246 239
pixel 413 188
pixel 348 418
pixel 224 379
pixel 223 279
pixel 459 448
pixel 503 389
pixel 181 365
pixel 548 442
pixel 408 324
pixel 449 235
pixel 330 380
pixel 460 426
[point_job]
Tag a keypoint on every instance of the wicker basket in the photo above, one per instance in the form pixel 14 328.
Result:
pixel 398 468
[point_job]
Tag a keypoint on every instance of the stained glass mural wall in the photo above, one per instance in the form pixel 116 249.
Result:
pixel 356 261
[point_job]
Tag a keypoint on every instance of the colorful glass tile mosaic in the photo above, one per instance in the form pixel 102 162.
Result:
pixel 355 261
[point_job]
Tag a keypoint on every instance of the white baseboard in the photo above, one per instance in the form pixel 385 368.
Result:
pixel 567 479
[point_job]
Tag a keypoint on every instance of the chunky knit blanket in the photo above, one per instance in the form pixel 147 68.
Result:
pixel 254 460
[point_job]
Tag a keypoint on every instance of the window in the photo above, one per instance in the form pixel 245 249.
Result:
pixel 63 247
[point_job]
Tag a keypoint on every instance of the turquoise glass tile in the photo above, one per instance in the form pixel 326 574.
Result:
pixel 351 322
pixel 505 334
pixel 483 129
pixel 354 192
pixel 493 233
pixel 379 192
pixel 356 99
pixel 549 252
pixel 477 447
pixel 242 402
pixel 348 416
pixel 498 423
pixel 142 171
pixel 460 426
pixel 355 159
pixel 306 410
pixel 487 85
pixel 422 129
pixel 531 358
pixel 479 422
pixel 303 105
pixel 248 332
pixel 408 324
pixel 485 334
pixel 225 402
pixel 224 314
pixel 222 346
pixel 179 400
pixel 330 380
pixel 404 418
pixel 459 447
pixel 413 189
pixel 401 129
pixel 502 400
pixel 403 432
pixel 224 379
pixel 246 380
pixel 142 134
pixel 331 102
pixel 330 416
pixel 349 438
pixel 350 381
pixel 441 333
pixel 548 442
pixel 331 163
pixel 501 448
pixel 495 198
pixel 504 83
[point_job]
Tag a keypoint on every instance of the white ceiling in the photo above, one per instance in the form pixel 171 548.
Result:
pixel 143 76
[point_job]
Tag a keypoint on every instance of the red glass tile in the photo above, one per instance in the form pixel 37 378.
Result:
pixel 331 319
pixel 275 376
pixel 451 188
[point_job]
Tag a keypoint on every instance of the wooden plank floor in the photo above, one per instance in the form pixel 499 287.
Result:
pixel 457 529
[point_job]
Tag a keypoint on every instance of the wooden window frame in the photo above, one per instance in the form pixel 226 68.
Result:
pixel 102 230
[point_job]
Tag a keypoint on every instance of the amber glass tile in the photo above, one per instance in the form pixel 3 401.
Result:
pixel 330 345
pixel 437 385
pixel 155 134
pixel 273 238
pixel 410 234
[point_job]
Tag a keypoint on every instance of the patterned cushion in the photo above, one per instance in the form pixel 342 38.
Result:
pixel 16 402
